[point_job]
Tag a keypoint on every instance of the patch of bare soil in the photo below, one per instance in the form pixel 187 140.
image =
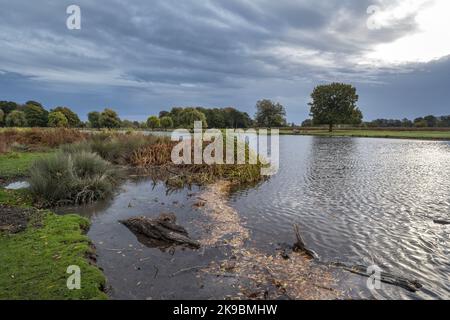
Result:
pixel 259 275
pixel 14 219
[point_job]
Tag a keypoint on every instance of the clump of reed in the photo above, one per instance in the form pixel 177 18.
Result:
pixel 156 154
pixel 149 152
pixel 120 149
pixel 186 174
pixel 72 178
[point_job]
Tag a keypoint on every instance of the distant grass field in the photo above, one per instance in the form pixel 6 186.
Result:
pixel 399 134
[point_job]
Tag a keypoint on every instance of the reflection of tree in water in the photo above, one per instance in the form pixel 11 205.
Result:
pixel 332 164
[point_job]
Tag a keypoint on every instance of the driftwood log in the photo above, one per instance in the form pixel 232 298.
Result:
pixel 161 232
pixel 389 278
pixel 442 222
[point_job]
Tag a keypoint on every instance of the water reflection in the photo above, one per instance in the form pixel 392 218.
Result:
pixel 361 201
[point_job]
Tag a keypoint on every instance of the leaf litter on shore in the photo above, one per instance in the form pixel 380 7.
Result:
pixel 257 274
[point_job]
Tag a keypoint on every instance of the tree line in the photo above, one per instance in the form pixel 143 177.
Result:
pixel 429 121
pixel 331 104
pixel 34 114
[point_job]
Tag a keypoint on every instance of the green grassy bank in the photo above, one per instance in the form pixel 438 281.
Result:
pixel 16 164
pixel 398 134
pixel 34 261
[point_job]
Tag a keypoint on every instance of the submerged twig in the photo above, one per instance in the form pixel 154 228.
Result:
pixel 187 269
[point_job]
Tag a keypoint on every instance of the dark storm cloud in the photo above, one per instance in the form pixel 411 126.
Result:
pixel 141 56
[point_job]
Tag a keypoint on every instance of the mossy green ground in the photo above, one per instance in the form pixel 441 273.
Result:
pixel 34 262
pixel 16 164
pixel 425 135
pixel 17 198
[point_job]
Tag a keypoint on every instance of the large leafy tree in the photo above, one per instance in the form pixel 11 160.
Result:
pixel 188 116
pixel 270 114
pixel 166 122
pixel 431 121
pixel 57 119
pixel 236 119
pixel 16 118
pixel 8 107
pixel 2 117
pixel 215 117
pixel 163 114
pixel 153 122
pixel 175 114
pixel 109 119
pixel 226 117
pixel 335 103
pixel 72 117
pixel 35 114
pixel 94 119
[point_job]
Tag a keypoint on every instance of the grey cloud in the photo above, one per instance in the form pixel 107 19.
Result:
pixel 165 52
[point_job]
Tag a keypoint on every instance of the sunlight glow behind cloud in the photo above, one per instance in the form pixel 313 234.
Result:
pixel 430 42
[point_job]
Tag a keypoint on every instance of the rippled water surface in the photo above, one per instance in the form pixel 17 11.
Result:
pixel 361 201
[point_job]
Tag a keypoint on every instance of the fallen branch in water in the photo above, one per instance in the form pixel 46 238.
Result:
pixel 187 269
pixel 162 232
pixel 402 282
pixel 300 246
pixel 442 222
pixel 389 278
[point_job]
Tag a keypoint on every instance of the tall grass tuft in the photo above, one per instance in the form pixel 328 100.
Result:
pixel 77 178
pixel 117 148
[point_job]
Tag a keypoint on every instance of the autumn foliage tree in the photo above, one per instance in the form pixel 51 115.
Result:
pixel 57 119
pixel 72 117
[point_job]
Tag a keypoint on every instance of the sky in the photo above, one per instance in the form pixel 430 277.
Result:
pixel 142 56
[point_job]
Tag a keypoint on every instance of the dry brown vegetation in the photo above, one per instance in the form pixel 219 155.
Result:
pixel 156 154
pixel 38 139
pixel 4 147
pixel 159 155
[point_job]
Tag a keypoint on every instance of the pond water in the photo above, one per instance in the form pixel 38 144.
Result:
pixel 359 200
pixel 17 185
pixel 135 271
pixel 356 200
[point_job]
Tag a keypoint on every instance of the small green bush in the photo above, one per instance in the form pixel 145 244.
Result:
pixel 72 178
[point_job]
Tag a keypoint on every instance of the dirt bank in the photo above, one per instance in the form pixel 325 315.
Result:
pixel 15 219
